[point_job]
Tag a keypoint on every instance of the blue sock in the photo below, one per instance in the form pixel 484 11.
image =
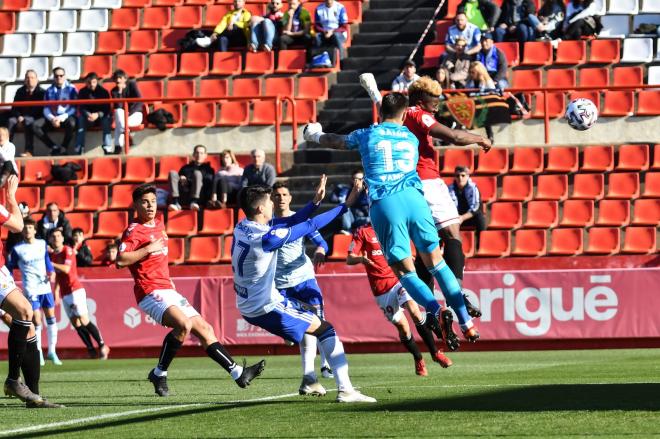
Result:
pixel 420 292
pixel 451 290
pixel 51 320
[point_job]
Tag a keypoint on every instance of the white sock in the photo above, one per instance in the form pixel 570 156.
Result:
pixel 334 352
pixel 37 329
pixel 160 373
pixel 52 337
pixel 236 372
pixel 308 355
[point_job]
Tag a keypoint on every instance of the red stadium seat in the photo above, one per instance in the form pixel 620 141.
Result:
pixel 646 212
pixel 517 188
pixel 354 10
pixel 200 114
pixel 556 105
pixel 651 185
pixel 505 215
pixel 213 87
pixel 214 14
pixel 187 17
pixel 256 9
pixel 226 63
pixel 151 89
pixel 170 39
pixel 170 163
pixel 278 85
pixel 83 220
pixel 194 64
pixel 633 158
pixel 494 243
pixel 156 18
pixel 205 250
pixel 140 170
pixel 111 223
pixel 263 112
pixel 563 159
pixel 552 187
pixel 305 112
pixel 217 222
pixel 259 63
pixel 233 113
pixel 628 76
pixel 588 186
pixel 312 87
pixel 97 247
pixel 432 53
pixel 648 103
pixel 511 51
pixel 571 52
pixel 542 214
pixel 36 171
pixel 246 87
pixel 529 243
pixel 226 248
pixel 618 104
pixel 81 175
pixel 112 42
pixel 603 241
pixel 593 96
pixel 100 64
pixel 291 61
pixel 561 77
pixel 62 195
pixel 162 65
pixel 487 186
pixel 132 64
pixel 106 170
pixel 168 2
pixel 457 157
pixel 452 6
pixel 7 22
pixel 136 3
pixel 125 19
pixel 495 161
pixel 537 53
pixel 577 213
pixel 340 245
pixel 613 213
pixel 566 242
pixel 144 41
pixel 92 197
pixel 441 29
pixel 656 158
pixel 605 51
pixel 176 250
pixel 177 112
pixel 468 242
pixel 181 88
pixel 623 185
pixel 30 195
pixel 597 159
pixel 122 196
pixel 526 79
pixel 182 223
pixel 527 160
pixel 595 77
pixel 639 240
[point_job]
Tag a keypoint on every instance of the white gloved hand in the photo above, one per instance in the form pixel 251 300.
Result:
pixel 313 132
pixel 368 83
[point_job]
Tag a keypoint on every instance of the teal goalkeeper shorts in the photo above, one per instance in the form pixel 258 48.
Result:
pixel 401 217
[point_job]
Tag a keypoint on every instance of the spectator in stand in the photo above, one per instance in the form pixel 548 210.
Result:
pixel 94 114
pixel 331 25
pixel 265 30
pixel 466 197
pixel 227 181
pixel 482 13
pixel 7 155
pixel 110 254
pixel 357 215
pixel 234 28
pixel 442 76
pixel 58 116
pixel 14 238
pixel 406 78
pixel 25 117
pixel 518 21
pixel 551 15
pixel 468 32
pixel 479 78
pixel 124 88
pixel 52 219
pixel 193 183
pixel 581 19
pixel 258 172
pixel 84 256
pixel 297 28
pixel 494 60
pixel 458 64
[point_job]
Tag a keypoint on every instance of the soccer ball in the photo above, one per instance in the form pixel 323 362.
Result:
pixel 581 114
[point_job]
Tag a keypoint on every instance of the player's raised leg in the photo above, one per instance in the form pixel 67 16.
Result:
pixel 427 336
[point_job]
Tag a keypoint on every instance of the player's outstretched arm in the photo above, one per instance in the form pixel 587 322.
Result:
pixel 307 211
pixel 313 132
pixel 15 221
pixel 459 137
pixel 128 258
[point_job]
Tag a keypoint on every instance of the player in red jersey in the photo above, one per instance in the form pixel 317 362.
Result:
pixel 144 251
pixel 74 295
pixel 22 349
pixel 392 297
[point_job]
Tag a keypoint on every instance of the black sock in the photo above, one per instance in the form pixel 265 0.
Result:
pixel 454 257
pixel 410 344
pixel 16 346
pixel 31 367
pixel 94 332
pixel 170 347
pixel 423 273
pixel 84 336
pixel 426 335
pixel 219 354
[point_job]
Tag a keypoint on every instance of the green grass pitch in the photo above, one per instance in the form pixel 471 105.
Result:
pixel 604 393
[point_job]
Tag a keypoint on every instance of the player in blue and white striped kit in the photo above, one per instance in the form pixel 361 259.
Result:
pixel 399 213
pixel 296 279
pixel 257 240
pixel 31 257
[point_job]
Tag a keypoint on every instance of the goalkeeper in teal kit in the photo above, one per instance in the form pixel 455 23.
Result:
pixel 399 213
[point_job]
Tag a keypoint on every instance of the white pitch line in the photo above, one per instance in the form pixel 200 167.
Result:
pixel 133 412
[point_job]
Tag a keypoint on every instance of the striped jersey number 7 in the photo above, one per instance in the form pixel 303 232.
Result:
pixel 244 249
pixel 406 161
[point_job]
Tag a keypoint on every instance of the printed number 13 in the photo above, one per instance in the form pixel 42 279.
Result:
pixel 406 163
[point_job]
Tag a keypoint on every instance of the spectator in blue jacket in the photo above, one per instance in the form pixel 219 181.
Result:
pixel 58 116
pixel 468 31
pixel 331 25
pixel 467 199
pixel 358 215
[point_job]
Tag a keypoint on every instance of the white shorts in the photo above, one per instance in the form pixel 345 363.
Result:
pixel 156 303
pixel 392 301
pixel 7 284
pixel 75 304
pixel 443 209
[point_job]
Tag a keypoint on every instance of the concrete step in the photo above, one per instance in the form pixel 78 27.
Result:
pixel 374 63
pixel 386 37
pixel 398 4
pixel 346 91
pixel 359 103
pixel 401 50
pixel 371 15
pixel 353 76
pixel 403 26
pixel 342 115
